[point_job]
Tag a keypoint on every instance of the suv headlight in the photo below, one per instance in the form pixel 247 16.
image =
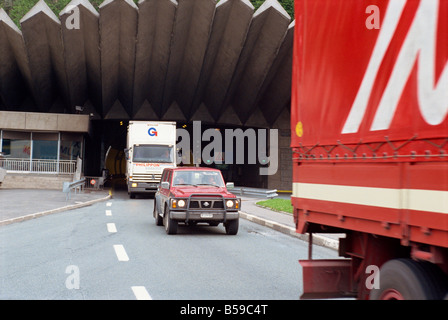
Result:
pixel 176 203
pixel 181 203
pixel 233 204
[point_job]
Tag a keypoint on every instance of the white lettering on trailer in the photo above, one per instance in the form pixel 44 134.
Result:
pixel 359 106
pixel 419 44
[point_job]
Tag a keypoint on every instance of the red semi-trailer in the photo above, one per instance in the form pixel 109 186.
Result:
pixel 369 135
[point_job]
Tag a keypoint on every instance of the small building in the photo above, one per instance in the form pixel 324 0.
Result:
pixel 41 150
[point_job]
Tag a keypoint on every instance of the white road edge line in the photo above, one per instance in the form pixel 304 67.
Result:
pixel 111 227
pixel 108 212
pixel 141 293
pixel 120 252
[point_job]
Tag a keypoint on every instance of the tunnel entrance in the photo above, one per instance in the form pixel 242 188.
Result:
pixel 220 62
pixel 107 141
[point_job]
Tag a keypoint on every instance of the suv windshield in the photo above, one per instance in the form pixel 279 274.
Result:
pixel 153 153
pixel 197 178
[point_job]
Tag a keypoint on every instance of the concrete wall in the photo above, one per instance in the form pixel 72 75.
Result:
pixel 44 121
pixel 34 181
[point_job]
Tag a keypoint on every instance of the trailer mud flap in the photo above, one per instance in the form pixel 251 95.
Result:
pixel 327 278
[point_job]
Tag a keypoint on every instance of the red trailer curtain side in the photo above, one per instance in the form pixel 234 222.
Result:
pixel 369 129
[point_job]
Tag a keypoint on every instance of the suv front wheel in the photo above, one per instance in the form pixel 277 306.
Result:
pixel 170 224
pixel 157 217
pixel 232 227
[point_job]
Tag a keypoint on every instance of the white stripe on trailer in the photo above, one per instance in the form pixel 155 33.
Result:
pixel 411 199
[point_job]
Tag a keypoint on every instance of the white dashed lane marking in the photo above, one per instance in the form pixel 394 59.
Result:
pixel 111 227
pixel 120 252
pixel 141 293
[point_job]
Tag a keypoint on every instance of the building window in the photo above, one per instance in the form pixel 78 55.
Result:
pixel 43 152
pixel 45 146
pixel 16 144
pixel 71 146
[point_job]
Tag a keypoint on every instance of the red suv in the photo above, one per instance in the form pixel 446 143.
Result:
pixel 193 194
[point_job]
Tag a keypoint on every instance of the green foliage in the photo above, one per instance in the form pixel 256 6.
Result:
pixel 20 7
pixel 288 5
pixel 277 204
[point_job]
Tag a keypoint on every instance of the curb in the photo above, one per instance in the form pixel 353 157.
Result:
pixel 317 239
pixel 48 212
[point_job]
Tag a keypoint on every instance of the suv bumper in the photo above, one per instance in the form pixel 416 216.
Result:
pixel 202 215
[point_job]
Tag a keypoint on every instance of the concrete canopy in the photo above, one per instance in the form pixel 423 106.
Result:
pixel 218 62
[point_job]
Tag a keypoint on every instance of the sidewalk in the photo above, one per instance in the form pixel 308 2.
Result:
pixel 283 222
pixel 23 204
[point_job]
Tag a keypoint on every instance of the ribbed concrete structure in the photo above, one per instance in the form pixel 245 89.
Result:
pixel 222 63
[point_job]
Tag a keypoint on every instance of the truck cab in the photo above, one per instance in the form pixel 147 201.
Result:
pixel 151 147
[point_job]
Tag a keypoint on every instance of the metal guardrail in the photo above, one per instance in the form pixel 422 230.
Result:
pixel 266 193
pixel 68 186
pixel 38 165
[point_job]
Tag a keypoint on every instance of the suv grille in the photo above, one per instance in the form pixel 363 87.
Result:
pixel 207 204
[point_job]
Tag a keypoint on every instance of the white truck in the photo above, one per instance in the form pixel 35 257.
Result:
pixel 151 147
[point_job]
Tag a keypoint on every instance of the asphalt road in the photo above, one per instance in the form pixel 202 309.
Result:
pixel 114 250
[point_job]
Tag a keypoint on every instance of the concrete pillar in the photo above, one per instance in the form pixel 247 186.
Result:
pixel 155 27
pixel 80 34
pixel 42 34
pixel 282 180
pixel 15 78
pixel 229 31
pixel 276 91
pixel 118 32
pixel 190 39
pixel 265 36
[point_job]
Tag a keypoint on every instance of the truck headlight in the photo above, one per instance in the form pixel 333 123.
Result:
pixel 181 203
pixel 134 185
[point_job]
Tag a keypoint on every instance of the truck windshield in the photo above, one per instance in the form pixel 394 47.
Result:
pixel 197 178
pixel 153 153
